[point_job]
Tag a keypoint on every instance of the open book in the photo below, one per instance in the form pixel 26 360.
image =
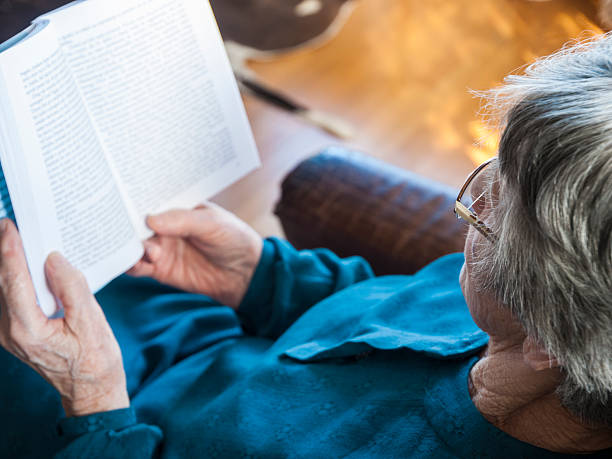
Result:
pixel 111 110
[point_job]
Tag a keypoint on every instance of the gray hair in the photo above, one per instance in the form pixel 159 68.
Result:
pixel 552 264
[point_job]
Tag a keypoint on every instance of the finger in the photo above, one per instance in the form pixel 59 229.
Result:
pixel 141 269
pixel 181 223
pixel 16 288
pixel 69 286
pixel 153 250
pixel 209 205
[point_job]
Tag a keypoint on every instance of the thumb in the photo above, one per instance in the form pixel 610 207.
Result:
pixel 181 223
pixel 68 285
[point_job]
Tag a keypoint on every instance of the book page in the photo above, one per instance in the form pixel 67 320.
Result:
pixel 157 83
pixel 62 190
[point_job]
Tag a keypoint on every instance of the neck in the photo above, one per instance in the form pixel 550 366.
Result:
pixel 522 402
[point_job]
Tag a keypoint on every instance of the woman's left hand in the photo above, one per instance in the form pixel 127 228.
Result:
pixel 78 354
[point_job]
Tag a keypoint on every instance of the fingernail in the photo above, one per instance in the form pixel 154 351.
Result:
pixel 153 220
pixel 57 260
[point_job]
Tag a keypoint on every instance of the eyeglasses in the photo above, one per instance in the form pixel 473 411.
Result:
pixel 467 213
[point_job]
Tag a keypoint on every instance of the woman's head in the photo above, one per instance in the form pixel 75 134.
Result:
pixel 552 215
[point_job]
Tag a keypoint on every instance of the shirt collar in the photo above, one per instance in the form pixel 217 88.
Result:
pixel 425 313
pixel 457 422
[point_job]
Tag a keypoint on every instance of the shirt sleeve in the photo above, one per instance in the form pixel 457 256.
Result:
pixel 110 434
pixel 287 282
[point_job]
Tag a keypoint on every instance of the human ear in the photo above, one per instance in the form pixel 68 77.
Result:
pixel 536 356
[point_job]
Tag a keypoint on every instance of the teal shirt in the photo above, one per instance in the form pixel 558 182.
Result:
pixel 323 360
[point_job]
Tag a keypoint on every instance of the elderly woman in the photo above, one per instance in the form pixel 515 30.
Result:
pixel 324 360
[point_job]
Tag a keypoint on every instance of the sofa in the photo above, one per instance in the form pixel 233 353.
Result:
pixel 354 204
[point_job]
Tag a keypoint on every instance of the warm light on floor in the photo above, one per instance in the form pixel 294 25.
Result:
pixel 401 72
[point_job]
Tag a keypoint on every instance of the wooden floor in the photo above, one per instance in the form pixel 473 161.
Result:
pixel 400 71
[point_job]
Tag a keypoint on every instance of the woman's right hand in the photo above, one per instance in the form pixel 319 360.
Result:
pixel 206 250
pixel 78 353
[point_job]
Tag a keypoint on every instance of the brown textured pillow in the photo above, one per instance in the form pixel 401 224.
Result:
pixel 357 205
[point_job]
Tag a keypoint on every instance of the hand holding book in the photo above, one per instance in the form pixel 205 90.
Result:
pixel 207 250
pixel 78 353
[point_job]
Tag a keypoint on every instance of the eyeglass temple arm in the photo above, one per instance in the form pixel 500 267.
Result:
pixel 465 213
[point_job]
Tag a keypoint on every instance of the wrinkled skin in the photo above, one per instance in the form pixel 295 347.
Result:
pixel 206 250
pixel 77 354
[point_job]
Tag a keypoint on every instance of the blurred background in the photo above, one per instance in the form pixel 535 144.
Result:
pixel 398 71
